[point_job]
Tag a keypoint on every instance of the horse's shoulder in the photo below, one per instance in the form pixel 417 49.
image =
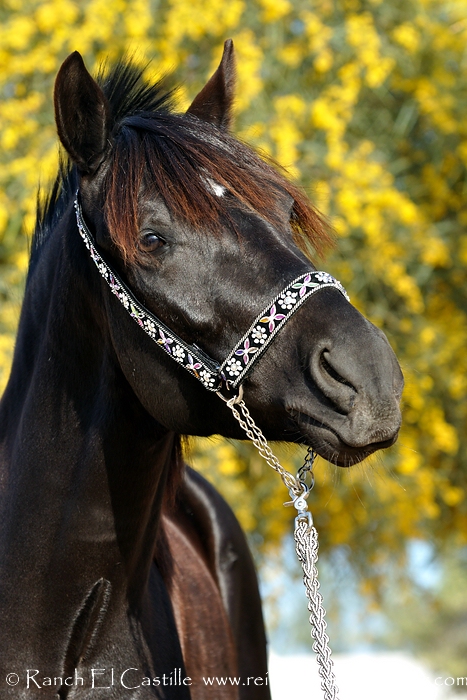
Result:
pixel 210 522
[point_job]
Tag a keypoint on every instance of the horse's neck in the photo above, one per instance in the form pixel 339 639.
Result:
pixel 84 466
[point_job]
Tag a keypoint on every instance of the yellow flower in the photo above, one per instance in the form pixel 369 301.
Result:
pixel 436 253
pixel 452 495
pixel 407 36
pixel 273 10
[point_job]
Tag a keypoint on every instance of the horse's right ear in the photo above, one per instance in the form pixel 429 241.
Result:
pixel 82 114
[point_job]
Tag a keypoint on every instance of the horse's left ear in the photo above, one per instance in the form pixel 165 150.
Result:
pixel 214 102
pixel 82 114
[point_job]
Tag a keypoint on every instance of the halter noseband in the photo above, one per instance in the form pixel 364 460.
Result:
pixel 245 353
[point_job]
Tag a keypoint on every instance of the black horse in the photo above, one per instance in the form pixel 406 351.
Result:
pixel 119 569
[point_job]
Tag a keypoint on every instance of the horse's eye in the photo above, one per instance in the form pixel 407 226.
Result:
pixel 150 241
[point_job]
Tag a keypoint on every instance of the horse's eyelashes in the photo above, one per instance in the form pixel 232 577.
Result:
pixel 150 241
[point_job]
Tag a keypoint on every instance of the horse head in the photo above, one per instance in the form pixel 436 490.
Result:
pixel 206 234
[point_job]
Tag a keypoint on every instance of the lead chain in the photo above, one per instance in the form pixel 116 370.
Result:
pixel 305 535
pixel 260 442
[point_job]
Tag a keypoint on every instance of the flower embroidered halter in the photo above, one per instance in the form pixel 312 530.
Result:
pixel 241 359
pixel 229 374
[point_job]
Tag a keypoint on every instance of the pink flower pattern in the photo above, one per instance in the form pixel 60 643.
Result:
pixel 246 351
pixel 272 318
pixel 165 341
pixel 303 286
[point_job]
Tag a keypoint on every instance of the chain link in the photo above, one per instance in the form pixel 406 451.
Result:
pixel 305 535
pixel 260 442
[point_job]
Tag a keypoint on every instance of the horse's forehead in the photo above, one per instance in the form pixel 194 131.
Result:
pixel 152 206
pixel 153 210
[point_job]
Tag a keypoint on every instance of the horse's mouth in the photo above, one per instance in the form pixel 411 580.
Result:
pixel 329 444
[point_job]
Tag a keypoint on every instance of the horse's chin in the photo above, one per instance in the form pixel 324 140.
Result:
pixel 329 445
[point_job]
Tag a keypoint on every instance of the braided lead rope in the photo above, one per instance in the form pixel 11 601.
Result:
pixel 306 546
pixel 305 536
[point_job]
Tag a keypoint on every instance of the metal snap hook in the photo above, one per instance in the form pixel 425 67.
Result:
pixel 299 499
pixel 300 502
pixel 304 516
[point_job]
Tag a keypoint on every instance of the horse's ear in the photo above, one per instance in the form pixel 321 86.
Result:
pixel 82 114
pixel 214 102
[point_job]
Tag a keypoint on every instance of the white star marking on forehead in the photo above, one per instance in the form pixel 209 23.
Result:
pixel 214 187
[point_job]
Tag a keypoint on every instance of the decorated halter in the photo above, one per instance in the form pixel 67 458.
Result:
pixel 230 374
pixel 252 345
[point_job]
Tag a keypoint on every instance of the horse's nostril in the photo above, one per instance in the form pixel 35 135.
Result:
pixel 329 369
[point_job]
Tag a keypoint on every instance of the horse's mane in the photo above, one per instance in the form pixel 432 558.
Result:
pixel 176 155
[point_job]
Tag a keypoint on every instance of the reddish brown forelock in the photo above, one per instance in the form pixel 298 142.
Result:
pixel 123 185
pixel 310 228
pixel 178 168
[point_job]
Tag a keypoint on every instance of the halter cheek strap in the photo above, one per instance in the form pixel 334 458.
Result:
pixel 252 345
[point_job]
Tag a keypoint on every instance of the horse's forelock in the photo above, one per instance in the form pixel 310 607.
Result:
pixel 174 155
